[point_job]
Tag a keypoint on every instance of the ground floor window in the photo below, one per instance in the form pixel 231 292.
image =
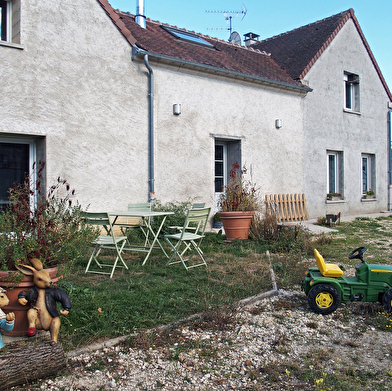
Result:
pixel 368 174
pixel 227 152
pixel 17 158
pixel 335 177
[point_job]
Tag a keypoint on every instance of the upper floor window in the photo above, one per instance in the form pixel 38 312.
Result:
pixel 4 19
pixel 351 92
pixel 10 21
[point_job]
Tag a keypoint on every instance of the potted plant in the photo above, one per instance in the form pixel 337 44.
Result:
pixel 50 229
pixel 217 221
pixel 238 204
pixel 334 196
pixel 369 194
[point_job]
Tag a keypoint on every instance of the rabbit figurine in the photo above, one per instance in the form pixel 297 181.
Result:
pixel 6 321
pixel 43 314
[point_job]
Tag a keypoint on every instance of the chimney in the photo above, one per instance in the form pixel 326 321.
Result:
pixel 251 39
pixel 140 18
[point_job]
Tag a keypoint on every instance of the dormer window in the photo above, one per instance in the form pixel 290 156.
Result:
pixel 351 92
pixel 188 37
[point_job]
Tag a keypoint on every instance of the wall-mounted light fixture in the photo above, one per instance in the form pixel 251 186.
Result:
pixel 177 109
pixel 278 123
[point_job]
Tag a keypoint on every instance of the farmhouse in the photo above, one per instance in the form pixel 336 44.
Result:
pixel 130 110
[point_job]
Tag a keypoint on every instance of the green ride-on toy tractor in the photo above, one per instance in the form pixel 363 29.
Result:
pixel 326 287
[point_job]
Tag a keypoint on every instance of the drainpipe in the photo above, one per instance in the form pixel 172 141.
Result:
pixel 390 156
pixel 151 177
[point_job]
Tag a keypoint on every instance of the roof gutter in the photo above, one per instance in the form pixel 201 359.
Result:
pixel 136 51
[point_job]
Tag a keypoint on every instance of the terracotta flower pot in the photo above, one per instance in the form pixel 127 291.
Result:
pixel 236 224
pixel 20 311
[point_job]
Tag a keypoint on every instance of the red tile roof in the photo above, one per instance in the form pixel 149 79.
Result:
pixel 297 50
pixel 232 59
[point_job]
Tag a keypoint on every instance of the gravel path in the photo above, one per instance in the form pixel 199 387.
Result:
pixel 273 344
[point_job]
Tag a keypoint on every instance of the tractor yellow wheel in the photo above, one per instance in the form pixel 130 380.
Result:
pixel 324 298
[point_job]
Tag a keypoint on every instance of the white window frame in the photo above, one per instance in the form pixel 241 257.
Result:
pixel 368 162
pixel 351 92
pixel 8 22
pixel 224 162
pixel 337 172
pixel 12 33
pixel 32 158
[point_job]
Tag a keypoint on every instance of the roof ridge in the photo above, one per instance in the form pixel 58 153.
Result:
pixel 309 24
pixel 347 15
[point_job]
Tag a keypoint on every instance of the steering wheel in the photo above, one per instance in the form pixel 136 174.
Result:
pixel 358 253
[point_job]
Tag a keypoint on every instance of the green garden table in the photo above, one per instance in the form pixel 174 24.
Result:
pixel 147 216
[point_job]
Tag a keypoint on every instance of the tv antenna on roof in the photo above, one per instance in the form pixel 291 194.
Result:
pixel 228 18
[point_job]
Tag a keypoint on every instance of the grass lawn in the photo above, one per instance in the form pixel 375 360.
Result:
pixel 151 295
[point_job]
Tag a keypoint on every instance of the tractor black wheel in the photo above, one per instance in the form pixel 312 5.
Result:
pixel 387 300
pixel 324 299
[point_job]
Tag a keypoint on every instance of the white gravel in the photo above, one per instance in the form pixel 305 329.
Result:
pixel 257 352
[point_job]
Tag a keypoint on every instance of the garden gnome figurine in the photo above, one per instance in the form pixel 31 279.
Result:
pixel 6 321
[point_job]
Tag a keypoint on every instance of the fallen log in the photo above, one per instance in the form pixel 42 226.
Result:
pixel 21 365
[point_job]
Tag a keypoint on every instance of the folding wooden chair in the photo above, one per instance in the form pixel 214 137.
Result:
pixel 189 238
pixel 140 223
pixel 109 241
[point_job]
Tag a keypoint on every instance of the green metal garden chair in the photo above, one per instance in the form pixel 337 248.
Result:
pixel 140 223
pixel 109 241
pixel 194 206
pixel 186 243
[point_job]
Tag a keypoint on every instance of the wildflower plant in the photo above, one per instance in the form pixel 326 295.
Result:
pixel 47 226
pixel 239 194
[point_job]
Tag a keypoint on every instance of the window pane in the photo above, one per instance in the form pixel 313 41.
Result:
pixel 14 166
pixel 348 96
pixel 332 174
pixel 219 169
pixel 218 185
pixel 3 20
pixel 218 152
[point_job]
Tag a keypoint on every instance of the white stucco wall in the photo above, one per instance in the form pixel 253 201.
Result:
pixel 329 127
pixel 74 83
pixel 212 106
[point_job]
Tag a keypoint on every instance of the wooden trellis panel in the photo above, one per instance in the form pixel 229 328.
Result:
pixel 287 207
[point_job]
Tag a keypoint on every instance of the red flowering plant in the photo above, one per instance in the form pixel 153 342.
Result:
pixel 44 225
pixel 239 195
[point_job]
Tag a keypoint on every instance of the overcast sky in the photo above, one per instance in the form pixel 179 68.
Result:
pixel 269 18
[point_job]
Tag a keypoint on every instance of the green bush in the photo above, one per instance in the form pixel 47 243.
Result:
pixel 177 219
pixel 48 226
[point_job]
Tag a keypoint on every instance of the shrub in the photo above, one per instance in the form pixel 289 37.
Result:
pixel 49 228
pixel 177 219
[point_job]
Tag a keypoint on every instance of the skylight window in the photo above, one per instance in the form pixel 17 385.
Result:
pixel 188 37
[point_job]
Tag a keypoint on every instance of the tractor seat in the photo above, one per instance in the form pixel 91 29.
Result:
pixel 327 269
